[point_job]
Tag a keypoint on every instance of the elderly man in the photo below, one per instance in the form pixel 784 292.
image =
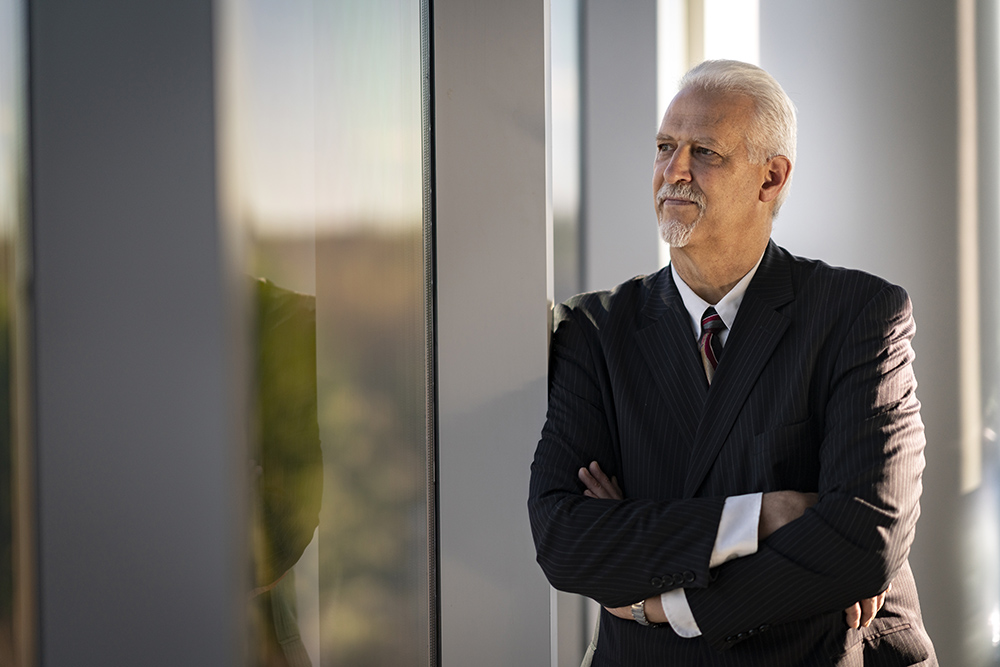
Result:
pixel 733 448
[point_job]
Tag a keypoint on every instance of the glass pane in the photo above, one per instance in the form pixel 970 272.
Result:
pixel 16 592
pixel 979 509
pixel 565 22
pixel 322 170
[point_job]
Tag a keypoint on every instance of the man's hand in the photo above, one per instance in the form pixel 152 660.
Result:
pixel 653 609
pixel 780 507
pixel 862 613
pixel 624 613
pixel 598 485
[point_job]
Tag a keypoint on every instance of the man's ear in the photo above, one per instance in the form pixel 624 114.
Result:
pixel 779 170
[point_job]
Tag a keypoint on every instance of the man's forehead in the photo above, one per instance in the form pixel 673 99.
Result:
pixel 706 114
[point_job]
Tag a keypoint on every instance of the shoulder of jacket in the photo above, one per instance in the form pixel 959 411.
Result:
pixel 813 274
pixel 601 307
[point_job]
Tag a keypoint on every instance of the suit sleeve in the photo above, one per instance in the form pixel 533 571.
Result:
pixel 850 545
pixel 616 552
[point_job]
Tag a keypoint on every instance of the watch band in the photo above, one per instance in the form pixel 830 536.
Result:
pixel 639 613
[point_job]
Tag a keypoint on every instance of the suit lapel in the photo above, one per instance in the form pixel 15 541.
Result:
pixel 671 352
pixel 756 332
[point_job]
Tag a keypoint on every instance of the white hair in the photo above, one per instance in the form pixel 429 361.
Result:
pixel 773 127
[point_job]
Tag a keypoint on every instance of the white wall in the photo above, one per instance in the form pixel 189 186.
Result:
pixel 493 233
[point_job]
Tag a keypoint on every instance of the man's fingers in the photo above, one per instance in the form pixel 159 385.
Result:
pixel 853 615
pixel 594 487
pixel 872 606
pixel 868 610
pixel 881 598
pixel 595 470
pixel 861 613
pixel 597 483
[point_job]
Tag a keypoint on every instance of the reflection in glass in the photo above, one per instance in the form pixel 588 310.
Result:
pixel 287 467
pixel 322 176
pixel 16 594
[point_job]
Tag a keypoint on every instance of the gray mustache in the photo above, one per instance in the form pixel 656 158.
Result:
pixel 679 191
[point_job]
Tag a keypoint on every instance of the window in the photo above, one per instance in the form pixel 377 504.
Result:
pixel 323 175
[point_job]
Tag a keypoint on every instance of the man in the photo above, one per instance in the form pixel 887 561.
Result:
pixel 733 448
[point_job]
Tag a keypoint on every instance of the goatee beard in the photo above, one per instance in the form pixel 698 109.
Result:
pixel 674 232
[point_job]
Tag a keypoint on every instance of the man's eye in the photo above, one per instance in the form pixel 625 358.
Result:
pixel 706 151
pixel 664 148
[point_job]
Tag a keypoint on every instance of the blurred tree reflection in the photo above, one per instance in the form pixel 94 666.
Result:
pixel 370 381
pixel 6 468
pixel 373 545
pixel 288 466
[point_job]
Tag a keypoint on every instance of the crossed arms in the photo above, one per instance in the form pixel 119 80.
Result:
pixel 845 548
pixel 777 509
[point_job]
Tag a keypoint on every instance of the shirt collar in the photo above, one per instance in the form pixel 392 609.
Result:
pixel 727 306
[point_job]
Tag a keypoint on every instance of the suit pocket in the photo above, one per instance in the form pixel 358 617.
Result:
pixel 883 644
pixel 896 645
pixel 788 457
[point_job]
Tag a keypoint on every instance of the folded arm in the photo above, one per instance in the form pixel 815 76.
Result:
pixel 616 552
pixel 851 544
pixel 777 508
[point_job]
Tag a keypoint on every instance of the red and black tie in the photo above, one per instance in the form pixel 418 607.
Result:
pixel 709 342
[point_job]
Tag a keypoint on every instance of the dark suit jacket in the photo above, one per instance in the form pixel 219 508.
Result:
pixel 814 392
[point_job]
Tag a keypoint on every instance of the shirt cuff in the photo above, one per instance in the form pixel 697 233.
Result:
pixel 737 534
pixel 678 611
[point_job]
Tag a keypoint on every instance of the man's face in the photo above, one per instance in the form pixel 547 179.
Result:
pixel 707 193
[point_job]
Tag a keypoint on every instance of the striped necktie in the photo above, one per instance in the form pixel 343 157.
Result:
pixel 709 343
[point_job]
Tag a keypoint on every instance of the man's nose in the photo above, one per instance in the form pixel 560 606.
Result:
pixel 678 167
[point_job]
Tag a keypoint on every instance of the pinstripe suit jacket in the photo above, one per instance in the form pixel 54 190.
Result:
pixel 814 392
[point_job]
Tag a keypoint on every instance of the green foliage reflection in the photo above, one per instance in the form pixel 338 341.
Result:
pixel 372 587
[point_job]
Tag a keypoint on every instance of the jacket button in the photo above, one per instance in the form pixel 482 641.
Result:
pixel 656 582
pixel 688 576
pixel 678 579
pixel 731 638
pixel 741 635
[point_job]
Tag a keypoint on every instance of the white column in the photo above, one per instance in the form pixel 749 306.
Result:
pixel 493 228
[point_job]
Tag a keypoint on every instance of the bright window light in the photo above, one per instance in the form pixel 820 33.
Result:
pixel 732 30
pixel 995 625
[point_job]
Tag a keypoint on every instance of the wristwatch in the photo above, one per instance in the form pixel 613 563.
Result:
pixel 639 614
